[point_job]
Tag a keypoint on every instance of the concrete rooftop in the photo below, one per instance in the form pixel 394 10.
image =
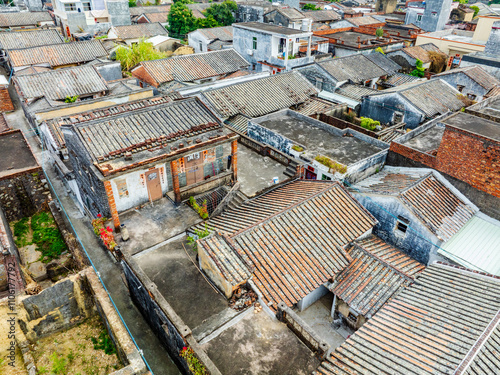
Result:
pixel 15 154
pixel 256 172
pixel 476 125
pixel 180 282
pixel 427 141
pixel 155 223
pixel 346 150
pixel 258 345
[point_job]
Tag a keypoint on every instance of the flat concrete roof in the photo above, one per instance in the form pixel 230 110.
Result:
pixel 171 268
pixel 427 141
pixel 258 344
pixel 492 109
pixel 256 172
pixel 346 150
pixel 15 154
pixel 475 125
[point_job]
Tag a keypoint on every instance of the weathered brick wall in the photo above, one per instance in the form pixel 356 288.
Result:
pixel 5 101
pixel 413 154
pixel 472 159
pixel 23 194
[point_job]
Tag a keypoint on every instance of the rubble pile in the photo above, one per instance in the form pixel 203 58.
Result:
pixel 242 298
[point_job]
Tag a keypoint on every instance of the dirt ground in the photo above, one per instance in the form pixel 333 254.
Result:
pixel 5 369
pixel 72 352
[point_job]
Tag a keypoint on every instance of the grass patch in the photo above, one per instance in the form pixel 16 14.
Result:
pixel 331 164
pixel 40 230
pixel 104 342
pixel 297 148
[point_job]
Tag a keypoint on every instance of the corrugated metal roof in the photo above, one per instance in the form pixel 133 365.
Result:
pixel 145 128
pixel 476 246
pixel 376 274
pixel 60 83
pixel 140 30
pixel 193 67
pixel 299 249
pixel 58 54
pixel 427 329
pixel 13 19
pixel 437 207
pixel 476 73
pixel 223 33
pixel 357 68
pixel 26 39
pixel 280 91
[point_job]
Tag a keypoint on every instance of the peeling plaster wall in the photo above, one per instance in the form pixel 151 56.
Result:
pixel 414 242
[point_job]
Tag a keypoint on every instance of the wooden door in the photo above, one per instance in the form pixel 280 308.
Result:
pixel 194 168
pixel 154 184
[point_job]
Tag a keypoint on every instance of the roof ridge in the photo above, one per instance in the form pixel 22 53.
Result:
pixel 279 213
pixel 417 182
pixel 466 270
pixel 478 345
pixel 384 262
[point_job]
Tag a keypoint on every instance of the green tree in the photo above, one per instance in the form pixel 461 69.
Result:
pixel 184 1
pixel 379 32
pixel 142 51
pixel 309 6
pixel 222 13
pixel 475 9
pixel 207 22
pixel 419 71
pixel 132 3
pixel 180 20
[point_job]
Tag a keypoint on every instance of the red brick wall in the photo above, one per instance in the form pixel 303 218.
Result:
pixel 5 101
pixel 412 154
pixel 472 159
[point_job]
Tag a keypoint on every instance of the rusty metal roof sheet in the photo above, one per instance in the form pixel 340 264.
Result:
pixel 376 274
pixel 428 329
pixel 61 83
pixel 300 248
pixel 26 39
pixel 140 30
pixel 58 54
pixel 188 68
pixel 281 91
pixel 13 19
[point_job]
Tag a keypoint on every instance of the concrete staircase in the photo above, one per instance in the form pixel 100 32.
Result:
pixel 291 169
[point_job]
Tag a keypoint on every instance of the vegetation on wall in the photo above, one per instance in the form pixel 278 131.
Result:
pixel 104 233
pixel 71 99
pixel 198 234
pixel 438 61
pixel 297 148
pixel 475 9
pixel 142 51
pixel 331 164
pixel 202 210
pixel 309 6
pixel 195 365
pixel 379 33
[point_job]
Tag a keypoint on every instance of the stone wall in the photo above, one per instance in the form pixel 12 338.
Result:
pixel 24 194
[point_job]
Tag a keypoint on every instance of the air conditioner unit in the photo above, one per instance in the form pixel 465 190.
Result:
pixel 250 52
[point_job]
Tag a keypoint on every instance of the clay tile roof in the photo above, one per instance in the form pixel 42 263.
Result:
pixel 376 274
pixel 439 208
pixel 356 68
pixel 432 326
pixel 137 11
pixel 3 124
pixel 421 52
pixel 299 248
pixel 140 30
pixel 322 15
pixel 13 19
pixel 60 83
pixel 26 39
pixel 193 67
pixel 58 54
pixel 56 123
pixel 145 128
pixel 282 91
pixel 476 73
pixel 223 33
pixel 157 17
pixel 362 21
pixel 291 13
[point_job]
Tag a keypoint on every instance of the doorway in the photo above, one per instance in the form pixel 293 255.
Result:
pixel 153 184
pixel 194 168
